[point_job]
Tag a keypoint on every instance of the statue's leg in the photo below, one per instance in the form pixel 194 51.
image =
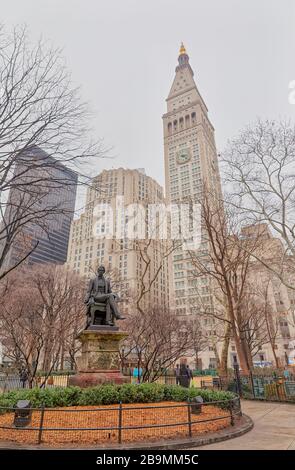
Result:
pixel 114 307
pixel 108 314
pixel 104 298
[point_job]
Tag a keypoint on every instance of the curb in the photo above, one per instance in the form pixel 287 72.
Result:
pixel 244 425
pixel 237 430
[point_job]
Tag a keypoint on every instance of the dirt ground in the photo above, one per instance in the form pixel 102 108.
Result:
pixel 107 417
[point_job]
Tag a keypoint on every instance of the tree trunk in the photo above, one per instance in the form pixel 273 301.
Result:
pixel 197 358
pixel 216 356
pixel 224 352
pixel 240 351
pixel 271 339
pixel 62 356
pixel 234 318
pixel 274 354
pixel 247 352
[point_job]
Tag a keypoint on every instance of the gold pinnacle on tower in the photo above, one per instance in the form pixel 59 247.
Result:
pixel 182 49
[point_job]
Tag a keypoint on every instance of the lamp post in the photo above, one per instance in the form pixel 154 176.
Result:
pixel 138 349
pixel 123 360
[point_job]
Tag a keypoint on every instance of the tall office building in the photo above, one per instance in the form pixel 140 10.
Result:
pixel 190 162
pixel 277 321
pixel 45 192
pixel 114 231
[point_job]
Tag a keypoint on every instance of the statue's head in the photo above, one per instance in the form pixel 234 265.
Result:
pixel 100 271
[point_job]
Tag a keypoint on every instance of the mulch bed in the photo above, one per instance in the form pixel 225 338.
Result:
pixel 107 417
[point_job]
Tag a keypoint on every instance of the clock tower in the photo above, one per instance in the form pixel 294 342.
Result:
pixel 190 161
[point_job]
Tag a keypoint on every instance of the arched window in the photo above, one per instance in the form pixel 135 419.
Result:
pixel 181 123
pixel 187 121
pixel 175 125
pixel 169 128
pixel 193 118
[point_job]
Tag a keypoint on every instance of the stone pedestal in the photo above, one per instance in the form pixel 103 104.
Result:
pixel 100 360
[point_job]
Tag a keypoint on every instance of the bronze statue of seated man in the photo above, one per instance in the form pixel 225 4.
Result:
pixel 101 301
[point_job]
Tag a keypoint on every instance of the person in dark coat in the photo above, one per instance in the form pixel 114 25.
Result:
pixel 23 377
pixel 184 377
pixel 190 374
pixel 177 374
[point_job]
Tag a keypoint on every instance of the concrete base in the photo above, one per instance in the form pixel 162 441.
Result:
pixel 91 379
pixel 100 359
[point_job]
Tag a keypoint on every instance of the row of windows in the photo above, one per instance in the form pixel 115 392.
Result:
pixel 181 123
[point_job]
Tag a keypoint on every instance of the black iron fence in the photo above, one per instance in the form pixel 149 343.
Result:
pixel 118 423
pixel 274 387
pixel 14 382
pixel 278 388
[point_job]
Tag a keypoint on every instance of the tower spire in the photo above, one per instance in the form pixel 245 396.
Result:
pixel 183 58
pixel 182 49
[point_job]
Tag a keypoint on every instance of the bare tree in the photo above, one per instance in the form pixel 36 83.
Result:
pixel 151 268
pixel 39 109
pixel 40 317
pixel 21 319
pixel 253 325
pixel 156 336
pixel 226 262
pixel 198 337
pixel 259 166
pixel 61 293
pixel 158 339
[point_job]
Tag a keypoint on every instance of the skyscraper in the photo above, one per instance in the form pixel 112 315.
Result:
pixel 190 162
pixel 117 201
pixel 44 199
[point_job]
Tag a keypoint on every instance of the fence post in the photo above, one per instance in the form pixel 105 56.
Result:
pixel 41 424
pixel 189 415
pixel 239 404
pixel 120 424
pixel 252 383
pixel 238 379
pixel 278 389
pixel 232 421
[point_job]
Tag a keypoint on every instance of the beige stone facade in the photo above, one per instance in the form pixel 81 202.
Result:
pixel 113 231
pixel 265 286
pixel 280 298
pixel 190 163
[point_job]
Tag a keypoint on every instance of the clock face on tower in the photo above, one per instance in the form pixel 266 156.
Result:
pixel 183 156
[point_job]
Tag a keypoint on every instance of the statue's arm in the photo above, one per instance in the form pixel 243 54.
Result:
pixel 89 291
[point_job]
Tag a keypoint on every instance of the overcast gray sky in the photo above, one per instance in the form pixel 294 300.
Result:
pixel 124 53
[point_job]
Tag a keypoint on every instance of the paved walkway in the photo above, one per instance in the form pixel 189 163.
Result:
pixel 274 428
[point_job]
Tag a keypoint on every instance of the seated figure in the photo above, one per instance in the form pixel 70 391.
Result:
pixel 101 301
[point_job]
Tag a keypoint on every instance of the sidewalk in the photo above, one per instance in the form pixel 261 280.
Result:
pixel 274 428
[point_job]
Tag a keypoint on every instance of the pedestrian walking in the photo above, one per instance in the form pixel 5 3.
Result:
pixel 184 377
pixel 177 374
pixel 190 374
pixel 23 377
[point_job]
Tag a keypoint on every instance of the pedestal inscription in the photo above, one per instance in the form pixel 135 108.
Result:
pixel 100 359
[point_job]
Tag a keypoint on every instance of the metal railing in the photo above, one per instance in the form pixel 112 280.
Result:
pixel 9 383
pixel 275 387
pixel 118 423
